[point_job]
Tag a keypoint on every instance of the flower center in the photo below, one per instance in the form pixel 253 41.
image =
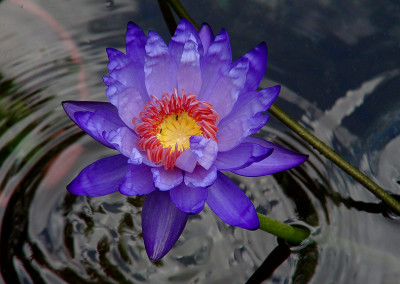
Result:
pixel 176 129
pixel 166 126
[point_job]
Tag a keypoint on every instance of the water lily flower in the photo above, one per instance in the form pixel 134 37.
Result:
pixel 179 115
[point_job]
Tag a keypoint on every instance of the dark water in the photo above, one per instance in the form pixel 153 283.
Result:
pixel 339 65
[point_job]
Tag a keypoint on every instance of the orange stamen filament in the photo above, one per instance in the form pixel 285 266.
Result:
pixel 167 125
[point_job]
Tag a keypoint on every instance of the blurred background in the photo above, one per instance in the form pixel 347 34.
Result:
pixel 339 65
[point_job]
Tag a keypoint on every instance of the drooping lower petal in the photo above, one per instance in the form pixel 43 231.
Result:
pixel 166 179
pixel 162 224
pixel 95 118
pixel 137 181
pixel 246 117
pixel 201 177
pixel 281 159
pixel 230 204
pixel 189 199
pixel 101 177
pixel 241 156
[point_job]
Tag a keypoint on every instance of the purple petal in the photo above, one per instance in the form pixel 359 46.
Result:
pixel 226 91
pixel 241 156
pixel 246 117
pixel 201 177
pixel 186 161
pixel 189 73
pixel 159 67
pixel 189 199
pixel 184 32
pixel 117 59
pixel 166 179
pixel 124 72
pixel 95 118
pixel 257 60
pixel 206 36
pixel 137 181
pixel 101 177
pixel 124 140
pixel 162 224
pixel 215 64
pixel 130 104
pixel 135 43
pixel 130 76
pixel 281 159
pixel 230 204
pixel 205 150
pixel 115 87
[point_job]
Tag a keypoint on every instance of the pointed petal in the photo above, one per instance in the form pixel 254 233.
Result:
pixel 124 140
pixel 189 73
pixel 130 104
pixel 184 32
pixel 162 224
pixel 159 67
pixel 205 150
pixel 166 179
pixel 117 59
pixel 189 199
pixel 201 177
pixel 246 117
pixel 257 60
pixel 101 177
pixel 241 156
pixel 137 181
pixel 206 36
pixel 230 204
pixel 115 87
pixel 95 118
pixel 281 159
pixel 135 43
pixel 126 72
pixel 215 64
pixel 224 94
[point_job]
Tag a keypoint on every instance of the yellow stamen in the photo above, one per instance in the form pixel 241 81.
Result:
pixel 177 128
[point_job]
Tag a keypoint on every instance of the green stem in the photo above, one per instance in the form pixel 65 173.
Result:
pixel 290 233
pixel 294 235
pixel 334 157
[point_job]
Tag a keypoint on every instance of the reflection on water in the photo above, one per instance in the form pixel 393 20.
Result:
pixel 338 63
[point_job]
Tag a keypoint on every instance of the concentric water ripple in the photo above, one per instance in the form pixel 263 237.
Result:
pixel 49 54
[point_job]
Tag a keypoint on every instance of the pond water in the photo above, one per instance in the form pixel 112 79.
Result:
pixel 339 66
